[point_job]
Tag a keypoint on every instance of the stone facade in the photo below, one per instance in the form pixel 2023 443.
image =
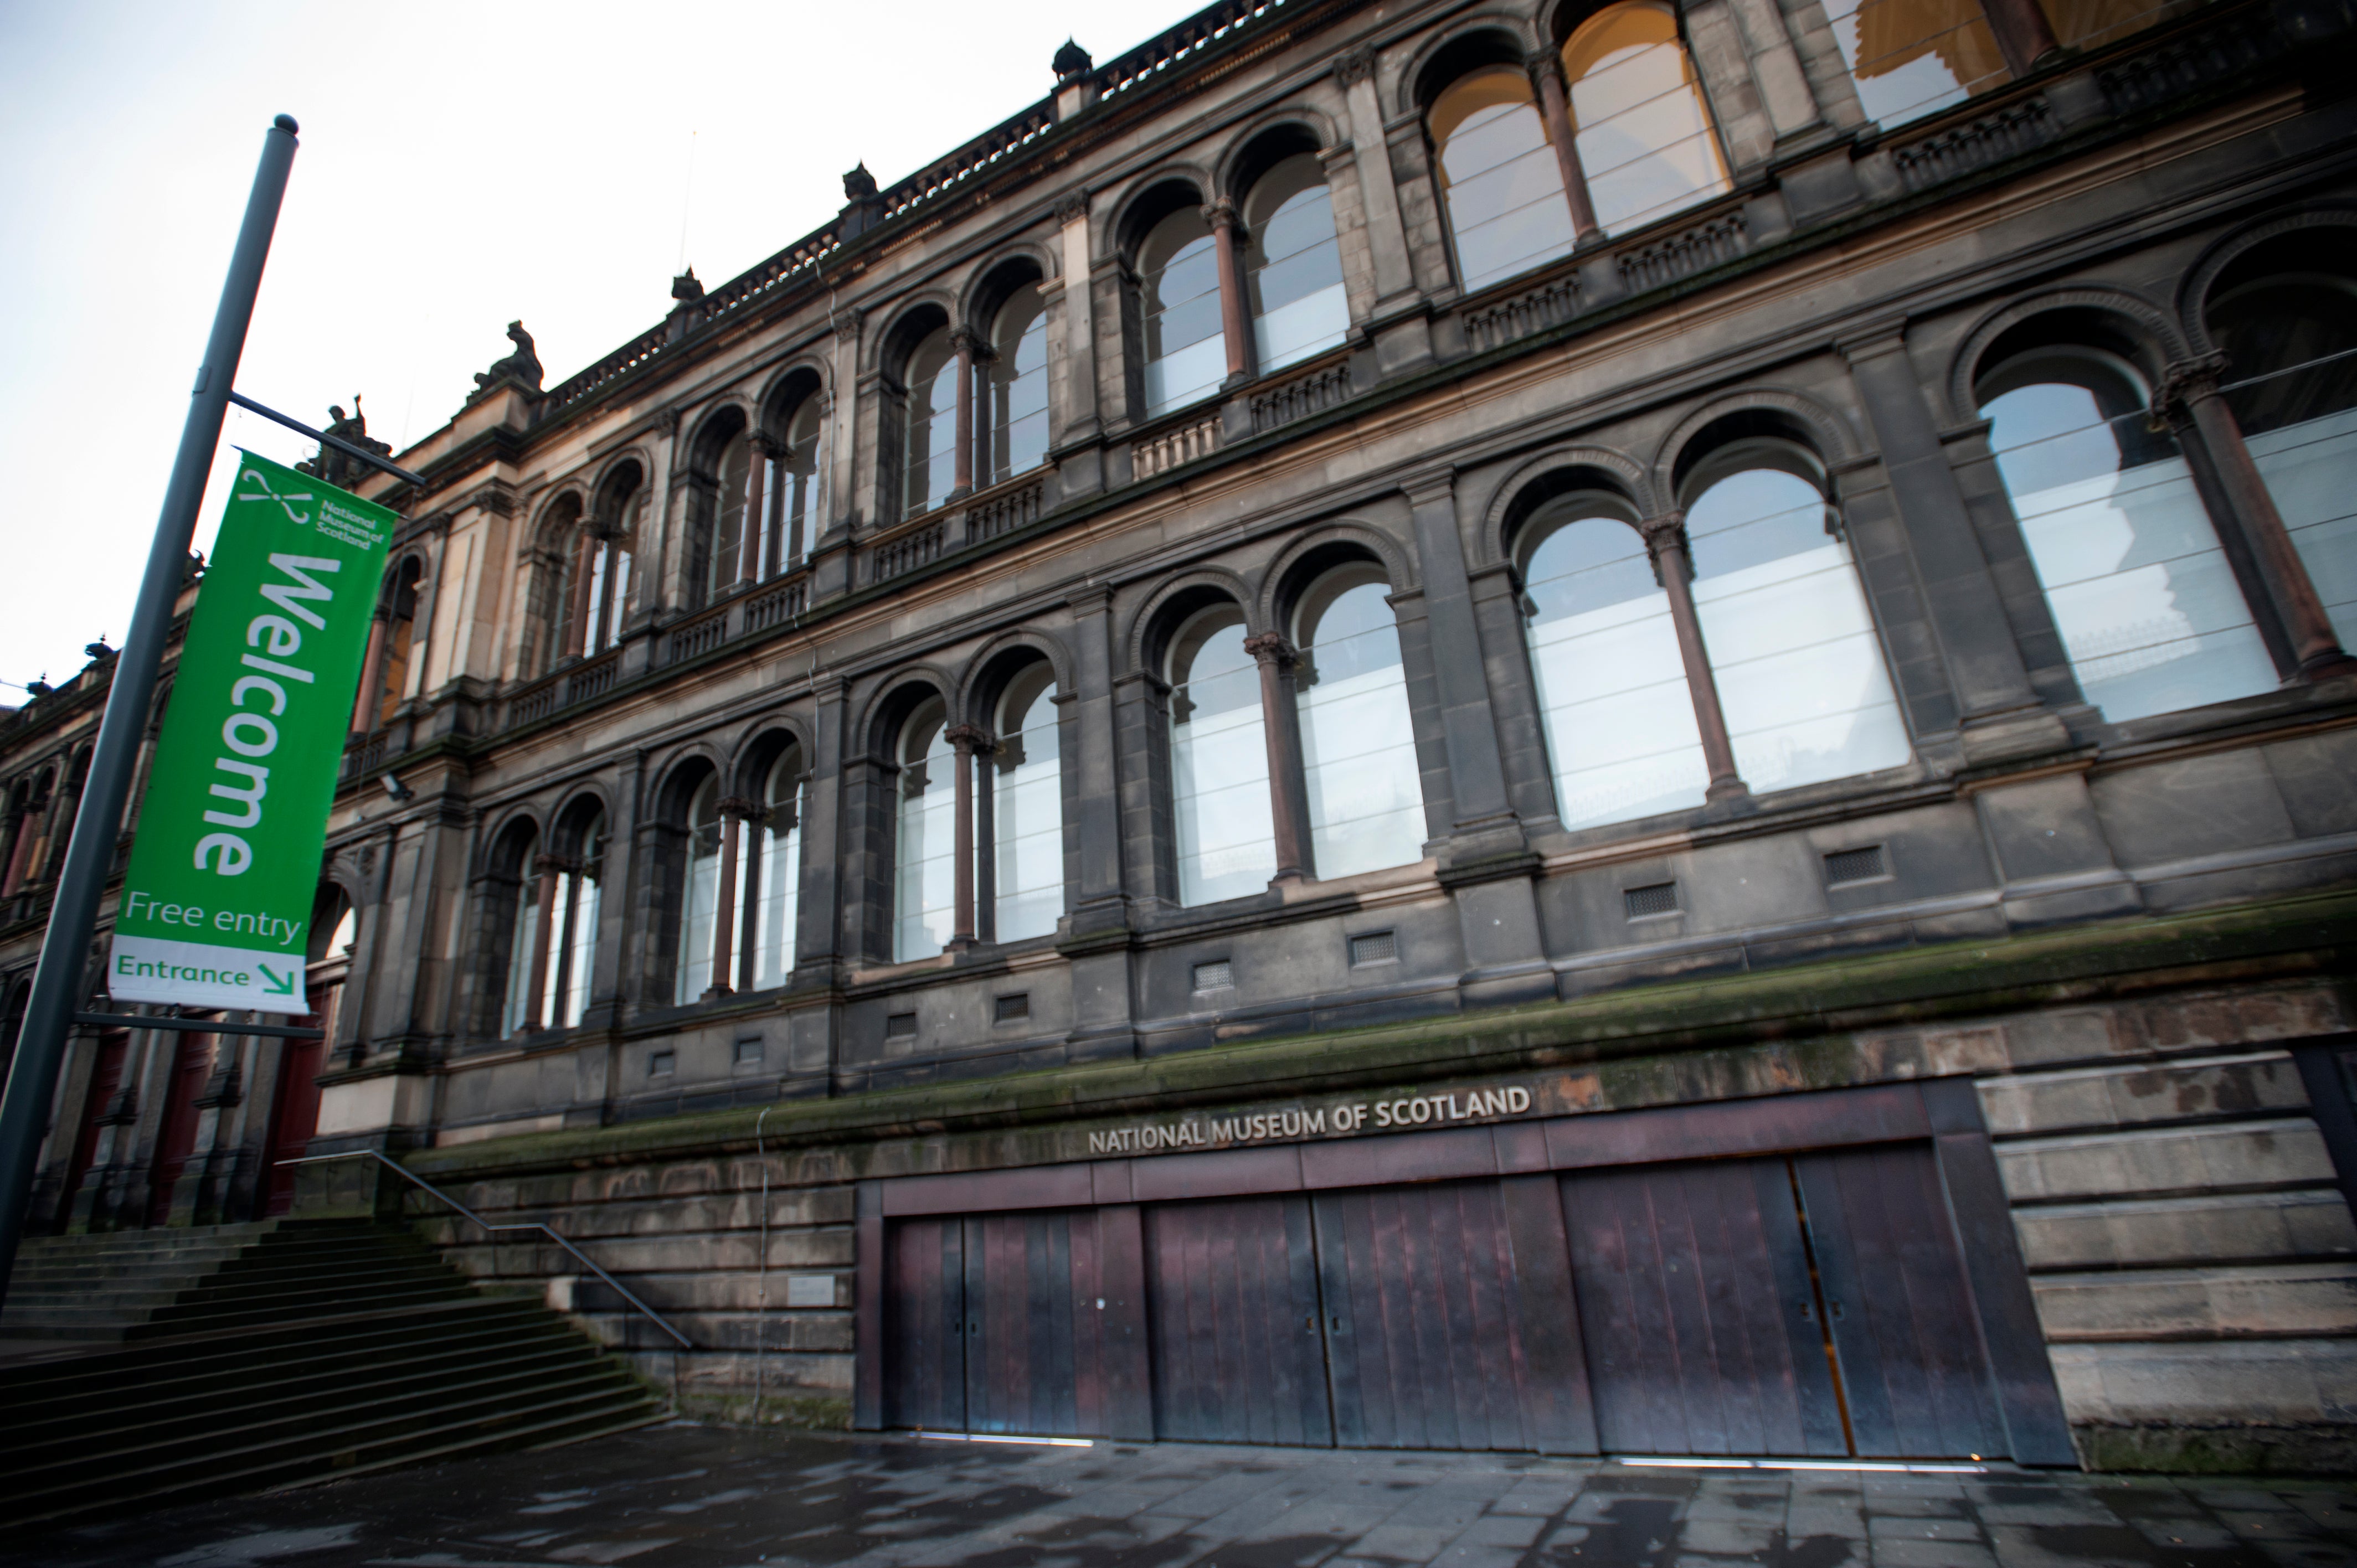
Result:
pixel 2128 938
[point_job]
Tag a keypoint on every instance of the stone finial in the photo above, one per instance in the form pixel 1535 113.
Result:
pixel 686 287
pixel 1072 63
pixel 859 184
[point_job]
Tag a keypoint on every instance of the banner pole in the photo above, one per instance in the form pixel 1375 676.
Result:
pixel 59 982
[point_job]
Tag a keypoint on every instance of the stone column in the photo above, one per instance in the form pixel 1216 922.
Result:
pixel 1666 542
pixel 1555 112
pixel 1476 774
pixel 757 525
pixel 734 810
pixel 371 675
pixel 551 870
pixel 1077 419
pixel 969 355
pixel 748 928
pixel 1221 216
pixel 2314 645
pixel 576 615
pixel 1098 897
pixel 1386 236
pixel 968 741
pixel 1288 791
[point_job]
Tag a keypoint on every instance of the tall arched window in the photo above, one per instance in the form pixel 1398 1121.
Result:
pixel 1293 265
pixel 773 869
pixel 1026 809
pixel 1792 646
pixel 573 933
pixel 1186 356
pixel 699 911
pixel 1357 743
pixel 1913 57
pixel 1646 146
pixel 1219 760
pixel 734 490
pixel 2290 336
pixel 598 594
pixel 2143 599
pixel 1620 720
pixel 929 445
pixel 801 483
pixel 1499 177
pixel 516 879
pixel 1017 416
pixel 924 845
pixel 399 637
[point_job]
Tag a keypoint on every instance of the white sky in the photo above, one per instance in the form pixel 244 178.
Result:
pixel 462 166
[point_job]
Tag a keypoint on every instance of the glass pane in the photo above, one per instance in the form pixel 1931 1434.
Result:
pixel 1645 136
pixel 1358 744
pixel 1027 784
pixel 1218 763
pixel 931 438
pixel 1185 356
pixel 1792 645
pixel 729 514
pixel 780 841
pixel 617 600
pixel 594 633
pixel 582 891
pixel 700 900
pixel 799 478
pixel 1620 720
pixel 1019 387
pixel 2147 609
pixel 925 854
pixel 1913 57
pixel 2089 24
pixel 1502 182
pixel 525 932
pixel 1292 266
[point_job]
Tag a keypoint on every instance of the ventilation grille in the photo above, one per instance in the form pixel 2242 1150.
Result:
pixel 1011 1008
pixel 900 1026
pixel 660 1063
pixel 1855 865
pixel 749 1049
pixel 1214 976
pixel 1375 946
pixel 1658 899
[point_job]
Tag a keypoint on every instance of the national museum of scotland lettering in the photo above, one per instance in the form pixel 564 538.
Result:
pixel 1543 726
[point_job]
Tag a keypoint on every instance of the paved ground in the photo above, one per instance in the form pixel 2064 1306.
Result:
pixel 675 1496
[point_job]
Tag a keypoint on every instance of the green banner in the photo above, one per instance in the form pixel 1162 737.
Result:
pixel 216 908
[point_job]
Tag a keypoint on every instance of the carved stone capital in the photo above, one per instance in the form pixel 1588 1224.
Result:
pixel 767 444
pixel 743 809
pixel 845 319
pixel 1220 214
pixel 1665 533
pixel 1270 647
pixel 1353 66
pixel 969 342
pixel 2186 380
pixel 495 498
pixel 1545 65
pixel 1072 206
pixel 969 738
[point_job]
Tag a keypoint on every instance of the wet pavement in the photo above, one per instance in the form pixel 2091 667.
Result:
pixel 673 1496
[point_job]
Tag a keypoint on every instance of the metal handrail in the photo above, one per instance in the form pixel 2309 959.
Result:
pixel 645 1311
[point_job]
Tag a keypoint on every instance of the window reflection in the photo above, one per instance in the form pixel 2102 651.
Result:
pixel 1358 744
pixel 1500 179
pixel 1620 720
pixel 1293 265
pixel 2147 609
pixel 1913 57
pixel 1643 133
pixel 1792 645
pixel 1018 386
pixel 930 442
pixel 771 853
pixel 924 852
pixel 801 483
pixel 728 519
pixel 1186 358
pixel 2087 23
pixel 574 942
pixel 1219 761
pixel 700 900
pixel 1027 783
pixel 515 1007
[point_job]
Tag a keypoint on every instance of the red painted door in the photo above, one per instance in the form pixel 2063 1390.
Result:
pixel 294 1113
pixel 106 1083
pixel 192 1063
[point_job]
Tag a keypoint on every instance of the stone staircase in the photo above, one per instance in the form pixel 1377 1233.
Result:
pixel 158 1365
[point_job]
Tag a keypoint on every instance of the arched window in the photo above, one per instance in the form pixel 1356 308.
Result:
pixel 1293 265
pixel 1792 644
pixel 1186 356
pixel 1913 57
pixel 399 637
pixel 1499 177
pixel 1358 744
pixel 924 857
pixel 1026 809
pixel 801 484
pixel 1646 146
pixel 699 905
pixel 1017 420
pixel 2289 331
pixel 2143 599
pixel 929 445
pixel 514 882
pixel 1219 760
pixel 772 876
pixel 1620 720
pixel 611 537
pixel 573 932
pixel 731 493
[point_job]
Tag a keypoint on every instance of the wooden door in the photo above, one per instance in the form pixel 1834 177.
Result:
pixel 1425 1337
pixel 1905 1331
pixel 924 1325
pixel 176 1134
pixel 1232 1291
pixel 1697 1303
pixel 106 1083
pixel 294 1113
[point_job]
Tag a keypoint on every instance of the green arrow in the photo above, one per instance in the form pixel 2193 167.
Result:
pixel 276 985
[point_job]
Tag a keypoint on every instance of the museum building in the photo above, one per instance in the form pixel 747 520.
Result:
pixel 1545 725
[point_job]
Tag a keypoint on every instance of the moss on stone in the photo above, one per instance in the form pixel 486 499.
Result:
pixel 2220 1449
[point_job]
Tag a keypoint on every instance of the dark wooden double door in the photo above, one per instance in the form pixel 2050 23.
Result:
pixel 1805 1306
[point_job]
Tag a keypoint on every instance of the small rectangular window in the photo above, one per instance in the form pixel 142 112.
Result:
pixel 1375 946
pixel 900 1026
pixel 1654 899
pixel 1855 865
pixel 1011 1008
pixel 749 1049
pixel 1214 976
pixel 660 1063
